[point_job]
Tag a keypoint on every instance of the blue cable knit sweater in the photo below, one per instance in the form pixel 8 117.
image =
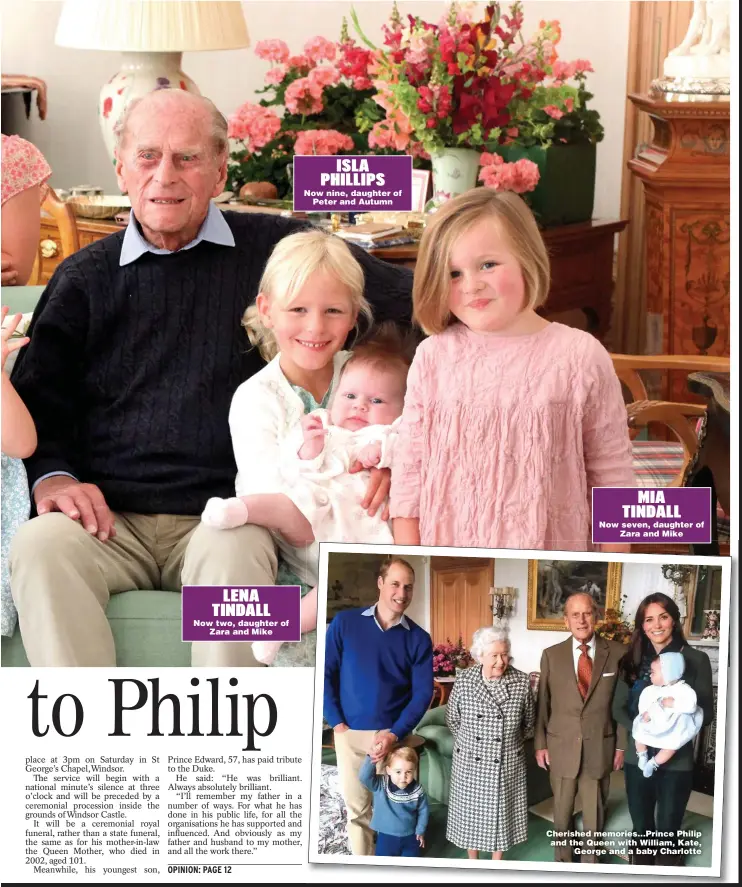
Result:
pixel 398 812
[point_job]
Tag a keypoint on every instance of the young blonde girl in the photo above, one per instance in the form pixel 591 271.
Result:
pixel 509 421
pixel 310 301
pixel 18 442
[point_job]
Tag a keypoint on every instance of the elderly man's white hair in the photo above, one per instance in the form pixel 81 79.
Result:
pixel 219 126
pixel 485 637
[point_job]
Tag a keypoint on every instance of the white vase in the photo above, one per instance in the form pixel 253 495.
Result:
pixel 455 171
pixel 141 72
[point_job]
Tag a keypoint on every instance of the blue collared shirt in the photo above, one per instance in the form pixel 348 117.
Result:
pixel 371 611
pixel 214 229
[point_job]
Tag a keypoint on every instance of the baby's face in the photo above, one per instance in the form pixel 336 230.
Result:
pixel 401 772
pixel 656 676
pixel 367 395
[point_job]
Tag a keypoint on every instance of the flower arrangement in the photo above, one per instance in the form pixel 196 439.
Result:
pixel 319 91
pixel 448 657
pixel 460 83
pixel 615 627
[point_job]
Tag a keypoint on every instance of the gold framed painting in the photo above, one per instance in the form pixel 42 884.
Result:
pixel 550 582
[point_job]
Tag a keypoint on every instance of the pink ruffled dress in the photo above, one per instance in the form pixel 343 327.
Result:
pixel 503 438
pixel 23 166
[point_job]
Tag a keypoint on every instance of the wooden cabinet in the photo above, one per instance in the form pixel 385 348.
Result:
pixel 685 173
pixel 459 597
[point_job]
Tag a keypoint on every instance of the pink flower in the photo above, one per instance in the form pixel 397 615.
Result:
pixel 415 149
pixel 394 132
pixel 569 104
pixel 521 176
pixel 272 50
pixel 553 111
pixel 563 70
pixel 320 49
pixel 276 74
pixel 326 75
pixel 304 97
pixel 322 141
pixel 420 45
pixel 254 125
pixel 583 66
pixel 298 61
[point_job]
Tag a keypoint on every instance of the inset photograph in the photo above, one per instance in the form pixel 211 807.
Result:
pixel 544 710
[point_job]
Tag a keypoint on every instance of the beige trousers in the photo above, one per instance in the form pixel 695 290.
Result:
pixel 62 578
pixel 351 747
pixel 593 794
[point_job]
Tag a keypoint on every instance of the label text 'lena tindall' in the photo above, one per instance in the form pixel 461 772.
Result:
pixel 245 715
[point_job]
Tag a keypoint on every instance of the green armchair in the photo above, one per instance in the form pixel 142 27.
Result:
pixel 437 755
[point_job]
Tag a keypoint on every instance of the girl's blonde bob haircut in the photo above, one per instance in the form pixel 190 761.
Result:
pixel 293 261
pixel 432 285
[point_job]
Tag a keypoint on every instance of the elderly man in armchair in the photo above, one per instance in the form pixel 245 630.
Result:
pixel 136 350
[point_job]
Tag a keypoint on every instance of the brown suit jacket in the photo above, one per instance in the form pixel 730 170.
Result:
pixel 580 735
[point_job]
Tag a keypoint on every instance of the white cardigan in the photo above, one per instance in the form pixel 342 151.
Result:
pixel 265 410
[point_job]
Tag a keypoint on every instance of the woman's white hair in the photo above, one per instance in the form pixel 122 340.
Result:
pixel 486 637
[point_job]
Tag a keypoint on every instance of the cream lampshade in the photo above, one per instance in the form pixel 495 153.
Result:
pixel 152 35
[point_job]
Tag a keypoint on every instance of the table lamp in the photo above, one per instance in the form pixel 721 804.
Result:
pixel 152 35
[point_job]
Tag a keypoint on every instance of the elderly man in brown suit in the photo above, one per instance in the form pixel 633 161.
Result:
pixel 576 737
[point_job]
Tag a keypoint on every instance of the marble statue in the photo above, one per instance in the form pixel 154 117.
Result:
pixel 703 54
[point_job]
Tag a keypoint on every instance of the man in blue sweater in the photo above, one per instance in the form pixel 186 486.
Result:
pixel 378 684
pixel 136 350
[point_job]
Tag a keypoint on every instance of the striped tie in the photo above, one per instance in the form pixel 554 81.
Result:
pixel 584 670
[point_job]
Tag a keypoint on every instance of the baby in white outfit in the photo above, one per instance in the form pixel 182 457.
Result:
pixel 321 499
pixel 669 714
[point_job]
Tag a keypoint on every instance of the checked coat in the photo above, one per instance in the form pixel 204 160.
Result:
pixel 488 808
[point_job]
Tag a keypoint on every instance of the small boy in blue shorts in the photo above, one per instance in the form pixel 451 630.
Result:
pixel 400 814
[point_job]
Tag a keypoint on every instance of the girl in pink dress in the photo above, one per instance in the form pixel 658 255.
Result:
pixel 509 420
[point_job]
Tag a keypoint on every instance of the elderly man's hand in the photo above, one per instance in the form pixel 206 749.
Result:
pixel 384 741
pixel 542 758
pixel 81 502
pixel 618 760
pixel 377 491
pixel 340 728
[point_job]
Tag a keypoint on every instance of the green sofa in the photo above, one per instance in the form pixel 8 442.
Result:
pixel 145 624
pixel 437 755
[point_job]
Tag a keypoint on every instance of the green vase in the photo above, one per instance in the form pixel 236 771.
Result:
pixel 455 171
pixel 565 193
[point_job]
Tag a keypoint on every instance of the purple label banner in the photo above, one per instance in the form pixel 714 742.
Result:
pixel 359 183
pixel 652 515
pixel 244 613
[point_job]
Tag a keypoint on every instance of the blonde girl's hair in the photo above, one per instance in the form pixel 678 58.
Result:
pixel 293 260
pixel 432 284
pixel 405 753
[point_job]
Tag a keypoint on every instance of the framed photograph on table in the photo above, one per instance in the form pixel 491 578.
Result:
pixel 550 582
pixel 420 182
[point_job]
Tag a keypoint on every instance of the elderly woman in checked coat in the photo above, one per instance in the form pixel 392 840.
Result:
pixel 489 712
